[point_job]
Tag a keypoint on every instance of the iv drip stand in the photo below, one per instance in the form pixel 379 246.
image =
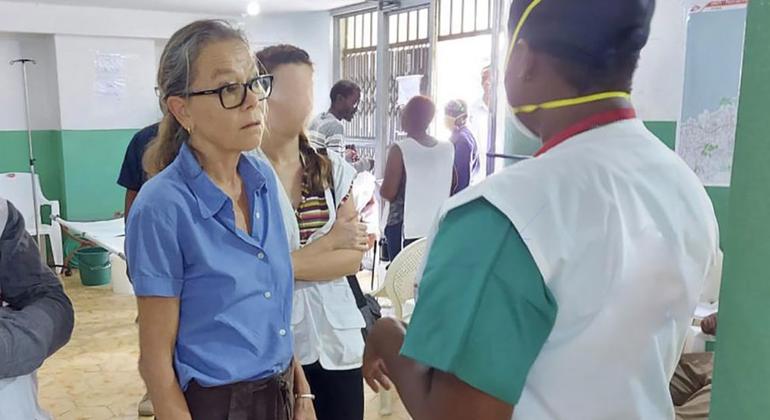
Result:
pixel 35 203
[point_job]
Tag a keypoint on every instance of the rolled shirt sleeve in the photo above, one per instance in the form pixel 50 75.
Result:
pixel 154 255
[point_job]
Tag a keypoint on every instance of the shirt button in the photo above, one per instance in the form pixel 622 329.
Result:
pixel 268 295
pixel 261 256
pixel 282 332
pixel 258 215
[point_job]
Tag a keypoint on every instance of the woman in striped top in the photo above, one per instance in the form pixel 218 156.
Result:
pixel 312 213
pixel 325 319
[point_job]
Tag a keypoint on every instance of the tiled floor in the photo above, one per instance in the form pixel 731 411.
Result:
pixel 94 377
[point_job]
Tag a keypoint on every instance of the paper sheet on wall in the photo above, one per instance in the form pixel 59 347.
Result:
pixel 408 88
pixel 110 74
pixel 713 61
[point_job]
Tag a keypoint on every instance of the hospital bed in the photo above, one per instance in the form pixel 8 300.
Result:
pixel 108 234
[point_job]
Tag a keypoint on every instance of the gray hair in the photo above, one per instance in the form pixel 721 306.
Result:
pixel 175 74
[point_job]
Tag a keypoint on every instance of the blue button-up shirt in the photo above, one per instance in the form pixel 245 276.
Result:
pixel 235 289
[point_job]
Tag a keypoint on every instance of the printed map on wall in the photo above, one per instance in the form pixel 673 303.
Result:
pixel 714 56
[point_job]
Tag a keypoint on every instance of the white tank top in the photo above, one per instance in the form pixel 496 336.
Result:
pixel 624 236
pixel 428 183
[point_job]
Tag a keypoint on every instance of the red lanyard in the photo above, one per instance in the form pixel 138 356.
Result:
pixel 587 124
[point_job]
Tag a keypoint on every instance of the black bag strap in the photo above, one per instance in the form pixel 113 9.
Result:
pixel 357 292
pixel 355 287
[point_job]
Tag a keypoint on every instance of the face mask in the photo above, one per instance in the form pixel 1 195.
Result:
pixel 523 130
pixel 560 103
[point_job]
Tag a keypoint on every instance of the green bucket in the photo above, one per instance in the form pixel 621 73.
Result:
pixel 95 267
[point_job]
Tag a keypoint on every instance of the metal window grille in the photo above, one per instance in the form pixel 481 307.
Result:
pixel 358 40
pixel 464 18
pixel 408 54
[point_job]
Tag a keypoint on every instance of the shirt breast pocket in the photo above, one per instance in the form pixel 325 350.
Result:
pixel 340 306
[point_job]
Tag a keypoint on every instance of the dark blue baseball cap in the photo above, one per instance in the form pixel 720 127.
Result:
pixel 592 32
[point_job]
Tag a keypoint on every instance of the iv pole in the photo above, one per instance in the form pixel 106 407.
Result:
pixel 35 203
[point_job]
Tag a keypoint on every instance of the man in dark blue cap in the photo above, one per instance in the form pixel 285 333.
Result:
pixel 564 286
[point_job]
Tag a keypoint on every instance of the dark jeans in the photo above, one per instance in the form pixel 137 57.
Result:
pixel 394 235
pixel 339 393
pixel 396 240
pixel 267 399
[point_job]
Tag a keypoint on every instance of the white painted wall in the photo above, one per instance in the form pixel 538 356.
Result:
pixel 657 88
pixel 81 33
pixel 63 94
pixel 309 31
pixel 12 100
pixel 44 103
pixel 88 98
pixel 44 85
pixel 659 81
pixel 33 17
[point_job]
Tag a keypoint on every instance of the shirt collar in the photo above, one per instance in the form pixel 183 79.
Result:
pixel 587 124
pixel 209 196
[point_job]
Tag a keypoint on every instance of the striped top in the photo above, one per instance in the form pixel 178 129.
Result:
pixel 326 132
pixel 312 213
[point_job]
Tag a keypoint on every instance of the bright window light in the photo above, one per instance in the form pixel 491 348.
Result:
pixel 253 8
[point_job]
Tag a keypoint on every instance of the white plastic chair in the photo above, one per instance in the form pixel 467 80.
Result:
pixel 16 188
pixel 398 287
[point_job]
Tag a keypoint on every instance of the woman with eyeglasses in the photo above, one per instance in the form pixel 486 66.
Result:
pixel 206 244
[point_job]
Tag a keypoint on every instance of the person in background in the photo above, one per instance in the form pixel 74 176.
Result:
pixel 466 149
pixel 691 384
pixel 325 319
pixel 327 131
pixel 534 277
pixel 36 317
pixel 132 177
pixel 418 177
pixel 478 118
pixel 206 244
pixel 514 145
pixel 362 164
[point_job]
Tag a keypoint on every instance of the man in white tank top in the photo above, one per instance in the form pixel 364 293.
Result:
pixel 418 176
pixel 535 277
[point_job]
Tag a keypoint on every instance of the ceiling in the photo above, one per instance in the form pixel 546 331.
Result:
pixel 213 7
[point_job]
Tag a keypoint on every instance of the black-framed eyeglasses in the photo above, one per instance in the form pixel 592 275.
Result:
pixel 234 95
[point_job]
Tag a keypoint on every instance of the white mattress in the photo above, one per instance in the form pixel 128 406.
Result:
pixel 108 234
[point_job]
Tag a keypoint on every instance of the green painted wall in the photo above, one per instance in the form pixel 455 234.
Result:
pixel 91 162
pixel 742 370
pixel 14 157
pixel 666 131
pixel 78 168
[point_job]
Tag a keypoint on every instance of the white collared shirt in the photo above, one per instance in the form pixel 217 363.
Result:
pixel 326 321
